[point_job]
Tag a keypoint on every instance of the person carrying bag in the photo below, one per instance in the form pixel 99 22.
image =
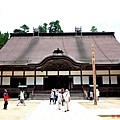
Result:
pixel 66 96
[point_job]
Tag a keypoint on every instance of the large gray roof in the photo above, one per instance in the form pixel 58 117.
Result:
pixel 25 48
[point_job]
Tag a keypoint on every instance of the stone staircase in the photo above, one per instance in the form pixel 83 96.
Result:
pixel 45 95
pixel 76 94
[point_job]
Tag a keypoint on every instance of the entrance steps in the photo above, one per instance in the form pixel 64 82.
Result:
pixel 76 94
pixel 45 95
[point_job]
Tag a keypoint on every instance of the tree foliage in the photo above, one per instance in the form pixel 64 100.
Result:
pixel 18 31
pixel 24 29
pixel 93 29
pixel 43 28
pixel 3 39
pixel 54 27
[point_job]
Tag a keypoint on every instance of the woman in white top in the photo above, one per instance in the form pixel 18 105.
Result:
pixel 59 99
pixel 66 96
pixel 21 98
pixel 97 94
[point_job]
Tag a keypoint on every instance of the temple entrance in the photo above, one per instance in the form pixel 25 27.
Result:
pixel 57 82
pixel 15 82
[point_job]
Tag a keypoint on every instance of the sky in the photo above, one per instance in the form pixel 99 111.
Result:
pixel 103 14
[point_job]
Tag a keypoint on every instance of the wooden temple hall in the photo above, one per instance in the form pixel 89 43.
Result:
pixel 54 60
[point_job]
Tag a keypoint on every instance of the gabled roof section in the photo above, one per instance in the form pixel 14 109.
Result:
pixel 24 49
pixel 58 62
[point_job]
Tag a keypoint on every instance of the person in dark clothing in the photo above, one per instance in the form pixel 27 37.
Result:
pixel 6 97
pixel 56 96
pixel 62 92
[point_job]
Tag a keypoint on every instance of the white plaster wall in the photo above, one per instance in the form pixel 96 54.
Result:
pixel 85 80
pixel 29 72
pixel 39 80
pixel 18 73
pixel 40 72
pixel 63 72
pixel 105 79
pixel 52 72
pixel 6 81
pixel 114 72
pixel 30 81
pixel 75 72
pixel 113 79
pixel 76 80
pixel 7 73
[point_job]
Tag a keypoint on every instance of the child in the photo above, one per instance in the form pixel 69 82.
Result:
pixel 6 97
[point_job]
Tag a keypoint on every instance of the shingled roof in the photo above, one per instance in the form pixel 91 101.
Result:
pixel 26 48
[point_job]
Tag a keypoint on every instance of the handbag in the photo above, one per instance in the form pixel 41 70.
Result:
pixel 63 100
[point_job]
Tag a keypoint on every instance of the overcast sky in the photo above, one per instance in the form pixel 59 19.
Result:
pixel 104 14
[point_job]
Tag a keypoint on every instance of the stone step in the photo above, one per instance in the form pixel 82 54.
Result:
pixel 46 96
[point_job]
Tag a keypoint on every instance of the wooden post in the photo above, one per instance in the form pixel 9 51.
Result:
pixel 94 75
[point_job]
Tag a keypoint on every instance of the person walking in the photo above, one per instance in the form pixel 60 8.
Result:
pixel 21 98
pixel 97 94
pixel 52 96
pixel 85 95
pixel 66 96
pixel 6 97
pixel 56 96
pixel 59 99
pixel 91 95
pixel 62 92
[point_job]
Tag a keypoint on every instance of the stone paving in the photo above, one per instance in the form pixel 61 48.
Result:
pixel 15 112
pixel 108 108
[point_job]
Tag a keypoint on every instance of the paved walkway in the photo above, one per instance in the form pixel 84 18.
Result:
pixel 79 110
pixel 44 111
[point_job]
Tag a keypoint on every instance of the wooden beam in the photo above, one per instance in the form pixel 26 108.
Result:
pixel 94 74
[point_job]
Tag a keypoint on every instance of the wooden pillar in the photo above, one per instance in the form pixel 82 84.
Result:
pixel 94 74
pixel 35 77
pixel 109 78
pixel 1 77
pixel 81 78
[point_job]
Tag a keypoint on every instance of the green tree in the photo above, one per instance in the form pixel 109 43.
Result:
pixel 54 27
pixel 43 28
pixel 25 28
pixel 3 39
pixel 51 27
pixel 93 29
pixel 18 31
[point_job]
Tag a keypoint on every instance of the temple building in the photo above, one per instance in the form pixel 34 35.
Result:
pixel 54 60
